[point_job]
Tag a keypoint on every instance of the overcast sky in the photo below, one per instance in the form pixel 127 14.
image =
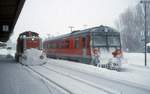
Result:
pixel 54 16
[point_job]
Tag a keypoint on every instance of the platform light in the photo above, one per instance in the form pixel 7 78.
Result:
pixel 5 28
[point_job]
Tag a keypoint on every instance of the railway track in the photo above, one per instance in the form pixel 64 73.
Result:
pixel 84 81
pixel 90 85
pixel 66 91
pixel 124 83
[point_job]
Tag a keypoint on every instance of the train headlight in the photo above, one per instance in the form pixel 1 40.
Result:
pixel 117 53
pixel 41 57
pixel 32 39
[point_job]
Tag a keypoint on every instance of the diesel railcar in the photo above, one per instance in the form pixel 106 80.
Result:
pixel 79 45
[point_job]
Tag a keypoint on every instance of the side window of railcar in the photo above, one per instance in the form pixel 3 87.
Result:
pixel 77 43
pixel 61 44
pixel 84 42
pixel 67 43
pixel 54 45
pixel 49 45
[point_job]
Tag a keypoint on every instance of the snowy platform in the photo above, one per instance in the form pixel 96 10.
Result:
pixel 15 79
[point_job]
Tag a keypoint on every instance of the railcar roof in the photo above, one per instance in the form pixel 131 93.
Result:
pixel 26 32
pixel 100 28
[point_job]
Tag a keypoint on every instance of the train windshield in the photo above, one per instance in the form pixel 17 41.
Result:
pixel 35 35
pixel 99 41
pixel 106 40
pixel 113 41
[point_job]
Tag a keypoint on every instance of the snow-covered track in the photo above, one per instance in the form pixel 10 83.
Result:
pixel 77 86
pixel 75 71
pixel 84 81
pixel 51 81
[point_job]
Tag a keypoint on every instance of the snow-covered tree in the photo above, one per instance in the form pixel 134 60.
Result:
pixel 131 26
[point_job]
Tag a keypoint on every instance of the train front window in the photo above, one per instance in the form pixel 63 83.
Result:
pixel 99 40
pixel 113 41
pixel 24 36
pixel 34 35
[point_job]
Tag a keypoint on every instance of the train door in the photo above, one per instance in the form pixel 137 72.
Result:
pixel 86 52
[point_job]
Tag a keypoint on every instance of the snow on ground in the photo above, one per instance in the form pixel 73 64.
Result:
pixel 137 58
pixel 15 79
pixel 7 52
pixel 73 85
pixel 3 51
pixel 138 75
pixel 33 57
pixel 98 80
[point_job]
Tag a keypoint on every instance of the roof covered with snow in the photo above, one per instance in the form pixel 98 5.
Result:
pixel 101 28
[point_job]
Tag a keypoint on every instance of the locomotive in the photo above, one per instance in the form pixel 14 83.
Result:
pixel 27 40
pixel 80 45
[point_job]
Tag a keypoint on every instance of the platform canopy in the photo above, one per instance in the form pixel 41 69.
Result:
pixel 9 13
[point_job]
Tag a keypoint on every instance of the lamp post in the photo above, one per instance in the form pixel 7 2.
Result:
pixel 145 3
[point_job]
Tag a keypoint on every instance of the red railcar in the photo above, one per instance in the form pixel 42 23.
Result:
pixel 79 45
pixel 27 40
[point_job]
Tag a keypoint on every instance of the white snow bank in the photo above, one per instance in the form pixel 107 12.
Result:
pixel 33 57
pixel 3 51
pixel 6 52
pixel 137 58
pixel 148 44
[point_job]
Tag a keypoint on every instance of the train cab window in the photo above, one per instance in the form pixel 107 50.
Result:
pixel 99 41
pixel 24 36
pixel 21 37
pixel 34 35
pixel 114 41
pixel 77 43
